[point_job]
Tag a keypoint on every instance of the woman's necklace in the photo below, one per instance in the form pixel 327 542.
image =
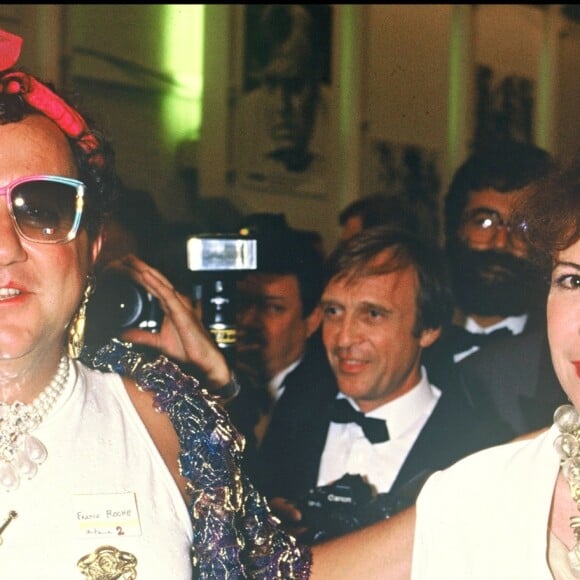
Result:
pixel 567 445
pixel 20 452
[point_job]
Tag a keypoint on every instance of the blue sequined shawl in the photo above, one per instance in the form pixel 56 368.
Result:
pixel 234 533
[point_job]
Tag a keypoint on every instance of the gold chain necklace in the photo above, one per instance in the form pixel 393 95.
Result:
pixel 20 452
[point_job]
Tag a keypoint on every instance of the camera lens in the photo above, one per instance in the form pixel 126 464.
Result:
pixel 118 299
pixel 117 304
pixel 129 304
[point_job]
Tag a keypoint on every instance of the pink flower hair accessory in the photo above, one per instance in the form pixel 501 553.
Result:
pixel 10 47
pixel 40 97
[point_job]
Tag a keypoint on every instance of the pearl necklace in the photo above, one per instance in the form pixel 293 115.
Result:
pixel 20 452
pixel 567 445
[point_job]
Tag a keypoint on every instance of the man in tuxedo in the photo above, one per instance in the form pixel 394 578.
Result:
pixel 277 318
pixel 500 294
pixel 497 289
pixel 378 416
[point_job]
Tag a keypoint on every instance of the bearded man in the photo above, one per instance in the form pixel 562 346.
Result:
pixel 498 290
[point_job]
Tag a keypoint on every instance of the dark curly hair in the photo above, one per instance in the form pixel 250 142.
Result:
pixel 550 214
pixel 95 168
pixel 504 166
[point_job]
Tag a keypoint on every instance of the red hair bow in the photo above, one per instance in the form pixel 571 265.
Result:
pixel 39 96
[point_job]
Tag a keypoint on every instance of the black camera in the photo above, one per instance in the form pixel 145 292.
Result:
pixel 217 261
pixel 214 261
pixel 117 304
pixel 349 504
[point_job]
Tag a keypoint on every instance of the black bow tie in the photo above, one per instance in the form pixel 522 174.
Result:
pixel 466 339
pixel 375 430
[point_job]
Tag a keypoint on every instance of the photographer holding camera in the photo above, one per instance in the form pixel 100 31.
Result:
pixel 385 300
pixel 277 320
pixel 181 335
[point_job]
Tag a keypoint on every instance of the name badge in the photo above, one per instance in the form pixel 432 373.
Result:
pixel 106 514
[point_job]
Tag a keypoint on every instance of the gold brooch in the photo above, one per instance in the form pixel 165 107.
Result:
pixel 108 563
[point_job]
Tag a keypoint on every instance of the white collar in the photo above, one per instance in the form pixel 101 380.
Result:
pixel 403 412
pixel 275 384
pixel 514 323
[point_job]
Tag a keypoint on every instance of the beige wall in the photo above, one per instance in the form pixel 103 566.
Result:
pixel 567 130
pixel 395 67
pixel 406 54
pixel 408 73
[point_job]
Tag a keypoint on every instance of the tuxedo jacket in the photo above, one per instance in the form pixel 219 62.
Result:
pixel 438 358
pixel 289 458
pixel 253 400
pixel 514 378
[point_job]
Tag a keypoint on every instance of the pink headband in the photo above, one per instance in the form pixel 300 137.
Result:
pixel 39 96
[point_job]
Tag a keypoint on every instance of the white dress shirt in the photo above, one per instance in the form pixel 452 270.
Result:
pixel 347 450
pixel 276 384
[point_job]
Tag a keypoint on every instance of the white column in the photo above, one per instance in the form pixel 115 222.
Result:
pixel 461 96
pixel 547 93
pixel 216 126
pixel 350 64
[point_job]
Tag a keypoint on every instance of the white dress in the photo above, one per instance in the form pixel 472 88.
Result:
pixel 487 516
pixel 103 484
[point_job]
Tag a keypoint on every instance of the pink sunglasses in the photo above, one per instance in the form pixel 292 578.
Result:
pixel 46 209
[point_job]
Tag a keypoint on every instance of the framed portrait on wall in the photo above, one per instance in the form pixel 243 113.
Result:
pixel 282 110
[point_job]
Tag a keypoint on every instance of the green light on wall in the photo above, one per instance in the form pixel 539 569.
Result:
pixel 183 59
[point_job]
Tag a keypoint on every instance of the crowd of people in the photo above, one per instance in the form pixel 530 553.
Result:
pixel 421 373
pixel 510 511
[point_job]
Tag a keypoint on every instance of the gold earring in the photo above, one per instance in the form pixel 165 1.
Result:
pixel 76 331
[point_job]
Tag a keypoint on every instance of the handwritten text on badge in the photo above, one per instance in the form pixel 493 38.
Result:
pixel 107 514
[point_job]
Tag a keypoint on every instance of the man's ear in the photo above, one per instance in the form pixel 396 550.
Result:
pixel 429 336
pixel 313 321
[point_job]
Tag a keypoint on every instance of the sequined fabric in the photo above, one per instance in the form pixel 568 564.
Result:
pixel 234 533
